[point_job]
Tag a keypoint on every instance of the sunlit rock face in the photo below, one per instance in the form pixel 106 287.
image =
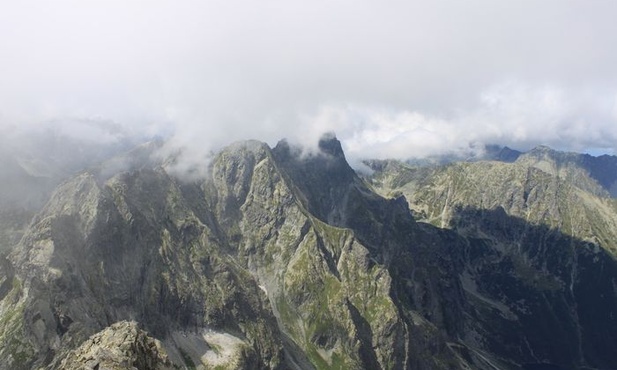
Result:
pixel 279 258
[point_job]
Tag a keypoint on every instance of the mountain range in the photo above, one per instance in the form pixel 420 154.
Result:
pixel 282 259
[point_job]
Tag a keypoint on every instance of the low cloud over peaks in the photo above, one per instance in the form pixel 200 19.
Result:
pixel 510 114
pixel 392 79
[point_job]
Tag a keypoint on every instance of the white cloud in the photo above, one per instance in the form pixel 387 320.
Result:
pixel 514 114
pixel 391 78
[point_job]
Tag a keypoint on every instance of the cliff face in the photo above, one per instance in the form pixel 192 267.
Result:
pixel 540 253
pixel 121 345
pixel 279 259
pixel 130 248
pixel 542 187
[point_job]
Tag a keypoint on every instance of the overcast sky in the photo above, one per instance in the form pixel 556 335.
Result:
pixel 391 78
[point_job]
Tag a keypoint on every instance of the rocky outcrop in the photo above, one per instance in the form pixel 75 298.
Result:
pixel 281 259
pixel 534 230
pixel 129 249
pixel 563 197
pixel 120 346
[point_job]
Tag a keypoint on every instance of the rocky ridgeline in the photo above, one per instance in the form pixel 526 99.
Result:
pixel 120 346
pixel 282 260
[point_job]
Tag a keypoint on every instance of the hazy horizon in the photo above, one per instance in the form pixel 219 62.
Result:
pixel 392 79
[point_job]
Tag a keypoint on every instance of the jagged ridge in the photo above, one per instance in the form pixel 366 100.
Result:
pixel 285 260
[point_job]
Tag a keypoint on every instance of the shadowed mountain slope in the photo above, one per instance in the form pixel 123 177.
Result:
pixel 281 259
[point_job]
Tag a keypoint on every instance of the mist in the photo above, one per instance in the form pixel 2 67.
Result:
pixel 393 79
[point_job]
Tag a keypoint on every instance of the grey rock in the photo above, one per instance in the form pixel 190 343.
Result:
pixel 280 259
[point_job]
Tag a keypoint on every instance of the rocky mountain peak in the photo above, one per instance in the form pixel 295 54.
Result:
pixel 324 178
pixel 286 259
pixel 122 345
pixel 502 154
pixel 329 144
pixel 594 174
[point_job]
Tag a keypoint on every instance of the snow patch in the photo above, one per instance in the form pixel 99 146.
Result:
pixel 206 348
